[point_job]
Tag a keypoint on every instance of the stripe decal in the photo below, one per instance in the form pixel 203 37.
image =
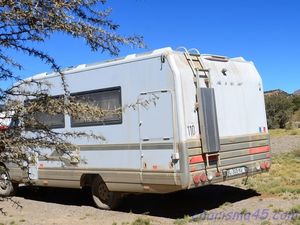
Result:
pixel 236 142
pixel 196 159
pixel 259 150
pixel 134 146
pixel 201 159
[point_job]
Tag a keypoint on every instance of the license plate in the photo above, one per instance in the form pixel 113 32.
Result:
pixel 236 171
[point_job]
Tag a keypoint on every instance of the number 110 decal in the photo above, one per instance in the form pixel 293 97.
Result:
pixel 191 130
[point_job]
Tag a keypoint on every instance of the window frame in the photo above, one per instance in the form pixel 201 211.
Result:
pixel 98 123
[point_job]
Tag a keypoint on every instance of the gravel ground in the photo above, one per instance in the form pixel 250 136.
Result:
pixel 223 204
pixel 285 143
pixel 254 210
pixel 39 213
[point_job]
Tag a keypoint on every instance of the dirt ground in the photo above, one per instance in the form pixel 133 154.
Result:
pixel 221 204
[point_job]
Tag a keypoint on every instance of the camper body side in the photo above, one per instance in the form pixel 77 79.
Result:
pixel 157 147
pixel 139 152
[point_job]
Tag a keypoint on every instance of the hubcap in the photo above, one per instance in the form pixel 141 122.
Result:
pixel 103 192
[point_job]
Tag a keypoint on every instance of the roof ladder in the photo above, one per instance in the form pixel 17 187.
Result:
pixel 193 57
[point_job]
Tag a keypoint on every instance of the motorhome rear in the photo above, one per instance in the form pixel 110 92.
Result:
pixel 204 123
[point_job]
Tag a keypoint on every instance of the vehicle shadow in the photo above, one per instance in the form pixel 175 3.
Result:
pixel 64 196
pixel 182 203
pixel 174 205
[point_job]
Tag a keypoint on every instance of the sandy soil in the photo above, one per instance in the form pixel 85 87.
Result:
pixel 222 204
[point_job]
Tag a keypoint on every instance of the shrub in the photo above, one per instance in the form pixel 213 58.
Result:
pixel 279 109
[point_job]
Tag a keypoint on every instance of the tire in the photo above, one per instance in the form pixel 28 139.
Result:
pixel 7 187
pixel 103 198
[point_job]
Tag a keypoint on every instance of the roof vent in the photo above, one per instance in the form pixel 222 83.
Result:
pixel 39 75
pixel 217 58
pixel 81 66
pixel 132 56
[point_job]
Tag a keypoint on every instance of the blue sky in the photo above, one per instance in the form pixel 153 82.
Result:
pixel 266 32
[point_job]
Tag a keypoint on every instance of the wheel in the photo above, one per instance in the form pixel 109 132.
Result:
pixel 103 198
pixel 7 187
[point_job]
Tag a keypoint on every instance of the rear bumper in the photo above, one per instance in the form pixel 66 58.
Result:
pixel 251 152
pixel 219 176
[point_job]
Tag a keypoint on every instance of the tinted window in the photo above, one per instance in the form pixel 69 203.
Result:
pixel 49 120
pixel 107 99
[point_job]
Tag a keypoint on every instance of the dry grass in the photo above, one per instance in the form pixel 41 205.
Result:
pixel 295 210
pixel 141 221
pixel 283 177
pixel 184 220
pixel 283 132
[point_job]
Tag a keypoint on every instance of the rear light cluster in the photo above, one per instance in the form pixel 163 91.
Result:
pixel 202 177
pixel 263 165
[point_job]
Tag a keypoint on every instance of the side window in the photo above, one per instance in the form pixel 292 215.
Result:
pixel 106 99
pixel 50 120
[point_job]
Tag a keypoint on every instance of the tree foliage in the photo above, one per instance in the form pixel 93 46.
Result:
pixel 24 23
pixel 296 102
pixel 31 21
pixel 279 109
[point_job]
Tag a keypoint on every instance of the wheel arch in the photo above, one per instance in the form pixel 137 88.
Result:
pixel 86 179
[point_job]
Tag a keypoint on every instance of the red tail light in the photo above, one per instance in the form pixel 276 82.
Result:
pixel 3 128
pixel 267 165
pixel 196 179
pixel 200 177
pixel 203 177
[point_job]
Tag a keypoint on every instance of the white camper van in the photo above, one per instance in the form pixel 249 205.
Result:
pixel 207 125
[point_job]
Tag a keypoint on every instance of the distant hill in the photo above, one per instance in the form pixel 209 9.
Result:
pixel 275 92
pixel 279 91
pixel 297 92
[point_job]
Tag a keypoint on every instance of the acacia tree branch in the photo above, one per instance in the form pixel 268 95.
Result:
pixel 24 23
